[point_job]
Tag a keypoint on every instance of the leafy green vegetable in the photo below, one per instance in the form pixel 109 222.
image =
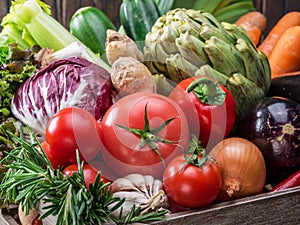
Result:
pixel 16 66
pixel 29 23
pixel 26 22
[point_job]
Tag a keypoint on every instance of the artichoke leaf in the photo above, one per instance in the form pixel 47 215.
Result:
pixel 212 19
pixel 207 30
pixel 198 15
pixel 240 34
pixel 164 86
pixel 246 93
pixel 153 65
pixel 191 26
pixel 179 68
pixel 160 54
pixel 254 67
pixel 207 70
pixel 224 56
pixel 168 36
pixel 267 69
pixel 237 32
pixel 177 15
pixel 191 49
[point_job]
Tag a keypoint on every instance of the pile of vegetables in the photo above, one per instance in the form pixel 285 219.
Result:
pixel 176 110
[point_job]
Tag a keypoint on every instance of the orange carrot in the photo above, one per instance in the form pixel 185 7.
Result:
pixel 285 56
pixel 290 19
pixel 294 73
pixel 253 18
pixel 254 23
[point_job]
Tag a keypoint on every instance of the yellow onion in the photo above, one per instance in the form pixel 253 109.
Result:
pixel 242 168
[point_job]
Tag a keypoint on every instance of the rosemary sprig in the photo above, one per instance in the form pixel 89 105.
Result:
pixel 134 216
pixel 31 179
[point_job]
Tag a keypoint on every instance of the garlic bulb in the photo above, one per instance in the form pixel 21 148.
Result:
pixel 140 190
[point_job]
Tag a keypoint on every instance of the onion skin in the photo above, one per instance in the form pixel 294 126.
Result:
pixel 242 168
pixel 274 126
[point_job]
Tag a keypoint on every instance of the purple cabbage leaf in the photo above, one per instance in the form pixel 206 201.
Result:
pixel 72 82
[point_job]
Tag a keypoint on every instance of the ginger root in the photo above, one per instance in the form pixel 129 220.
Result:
pixel 129 75
pixel 118 45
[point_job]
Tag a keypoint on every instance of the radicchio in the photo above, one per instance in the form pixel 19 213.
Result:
pixel 72 82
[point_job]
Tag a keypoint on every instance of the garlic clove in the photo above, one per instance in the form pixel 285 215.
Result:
pixel 138 181
pixel 142 191
pixel 149 180
pixel 122 184
pixel 157 186
pixel 135 198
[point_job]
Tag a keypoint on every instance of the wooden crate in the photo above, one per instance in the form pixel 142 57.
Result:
pixel 268 208
pixel 280 208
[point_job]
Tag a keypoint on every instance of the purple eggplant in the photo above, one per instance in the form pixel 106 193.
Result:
pixel 286 86
pixel 274 126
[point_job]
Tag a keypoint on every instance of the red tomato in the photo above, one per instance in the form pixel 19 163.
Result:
pixel 36 221
pixel 89 173
pixel 192 186
pixel 55 161
pixel 210 108
pixel 106 172
pixel 124 152
pixel 71 129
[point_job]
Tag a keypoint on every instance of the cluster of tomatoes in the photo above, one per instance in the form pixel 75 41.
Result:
pixel 149 133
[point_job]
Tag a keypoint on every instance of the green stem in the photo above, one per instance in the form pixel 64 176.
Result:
pixel 207 91
pixel 195 150
pixel 148 136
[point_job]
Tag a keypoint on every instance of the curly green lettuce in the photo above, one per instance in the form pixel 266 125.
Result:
pixel 16 66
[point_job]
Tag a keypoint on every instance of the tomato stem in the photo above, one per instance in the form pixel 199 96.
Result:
pixel 149 136
pixel 196 150
pixel 207 91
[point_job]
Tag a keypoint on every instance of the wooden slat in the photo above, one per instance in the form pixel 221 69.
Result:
pixel 273 10
pixel 55 8
pixel 258 4
pixel 292 5
pixel 4 7
pixel 111 8
pixel 68 9
pixel 6 218
pixel 270 208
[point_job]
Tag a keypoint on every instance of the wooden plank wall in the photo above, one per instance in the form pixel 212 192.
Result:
pixel 62 10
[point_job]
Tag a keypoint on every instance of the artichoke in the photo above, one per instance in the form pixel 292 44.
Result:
pixel 187 42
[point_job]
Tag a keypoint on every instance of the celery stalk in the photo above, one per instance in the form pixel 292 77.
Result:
pixel 14 35
pixel 48 32
pixel 43 28
pixel 29 22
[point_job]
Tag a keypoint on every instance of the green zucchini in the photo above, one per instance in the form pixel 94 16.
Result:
pixel 137 18
pixel 89 25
